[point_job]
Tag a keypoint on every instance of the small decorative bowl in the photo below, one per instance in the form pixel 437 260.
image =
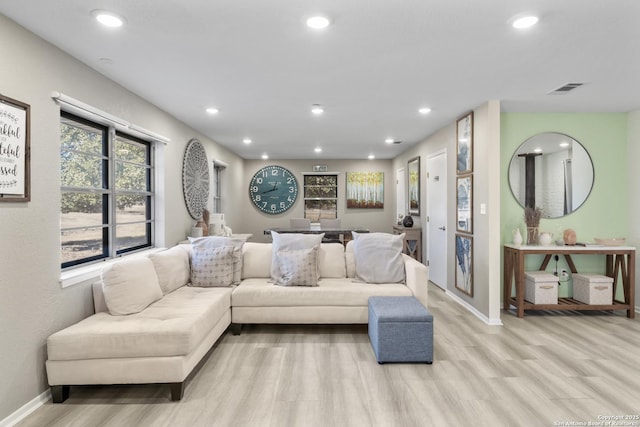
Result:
pixel 613 241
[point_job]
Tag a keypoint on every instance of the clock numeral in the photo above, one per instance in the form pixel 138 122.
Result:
pixel 265 174
pixel 289 180
pixel 254 189
pixel 289 199
pixel 282 205
pixel 292 190
pixel 274 172
pixel 264 205
pixel 258 198
pixel 273 207
pixel 259 180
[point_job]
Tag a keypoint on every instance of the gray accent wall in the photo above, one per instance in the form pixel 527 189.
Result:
pixel 32 302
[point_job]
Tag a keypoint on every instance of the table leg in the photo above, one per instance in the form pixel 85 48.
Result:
pixel 520 284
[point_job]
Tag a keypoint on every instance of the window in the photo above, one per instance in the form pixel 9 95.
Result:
pixel 320 196
pixel 217 187
pixel 106 192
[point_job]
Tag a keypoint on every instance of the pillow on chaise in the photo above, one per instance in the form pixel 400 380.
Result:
pixel 130 285
pixel 212 267
pixel 290 241
pixel 298 267
pixel 220 241
pixel 172 268
pixel 378 257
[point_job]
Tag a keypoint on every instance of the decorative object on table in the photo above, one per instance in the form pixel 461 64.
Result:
pixel 545 238
pixel 407 221
pixel 400 218
pixel 532 219
pixel 613 241
pixel 273 189
pixel 464 203
pixel 517 237
pixel 204 222
pixel 15 150
pixel 196 231
pixel 413 168
pixel 216 224
pixel 464 144
pixel 569 237
pixel 195 178
pixel 365 190
pixel 464 264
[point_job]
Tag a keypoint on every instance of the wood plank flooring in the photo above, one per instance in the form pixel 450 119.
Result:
pixel 543 370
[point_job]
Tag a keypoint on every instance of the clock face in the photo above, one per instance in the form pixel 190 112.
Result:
pixel 273 189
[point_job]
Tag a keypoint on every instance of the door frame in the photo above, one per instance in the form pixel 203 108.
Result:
pixel 437 153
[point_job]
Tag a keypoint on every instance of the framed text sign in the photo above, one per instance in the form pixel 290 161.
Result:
pixel 14 151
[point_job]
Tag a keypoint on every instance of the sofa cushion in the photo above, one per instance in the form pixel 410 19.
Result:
pixel 172 268
pixel 212 266
pixel 256 260
pixel 173 326
pixel 378 257
pixel 298 267
pixel 220 241
pixel 329 292
pixel 290 241
pixel 332 261
pixel 130 285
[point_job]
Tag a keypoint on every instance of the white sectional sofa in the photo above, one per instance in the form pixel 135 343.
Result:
pixel 161 341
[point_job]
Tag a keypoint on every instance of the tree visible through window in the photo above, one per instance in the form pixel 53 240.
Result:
pixel 106 192
pixel 320 196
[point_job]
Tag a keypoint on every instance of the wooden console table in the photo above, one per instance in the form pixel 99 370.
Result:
pixel 619 262
pixel 412 244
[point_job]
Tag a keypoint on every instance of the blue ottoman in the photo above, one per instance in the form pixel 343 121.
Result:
pixel 400 330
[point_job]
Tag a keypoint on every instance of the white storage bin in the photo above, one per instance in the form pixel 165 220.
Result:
pixel 540 287
pixel 593 289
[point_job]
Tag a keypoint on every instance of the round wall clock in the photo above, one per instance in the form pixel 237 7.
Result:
pixel 273 189
pixel 195 178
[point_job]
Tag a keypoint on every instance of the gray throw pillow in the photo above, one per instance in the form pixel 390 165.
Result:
pixel 298 267
pixel 212 267
pixel 378 257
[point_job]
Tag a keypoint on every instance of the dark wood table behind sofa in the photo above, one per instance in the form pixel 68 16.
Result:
pixel 345 232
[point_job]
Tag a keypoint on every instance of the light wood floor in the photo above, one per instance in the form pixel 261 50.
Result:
pixel 542 370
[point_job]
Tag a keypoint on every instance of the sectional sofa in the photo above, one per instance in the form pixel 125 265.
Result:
pixel 152 326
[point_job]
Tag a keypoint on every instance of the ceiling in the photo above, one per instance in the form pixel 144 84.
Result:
pixel 371 69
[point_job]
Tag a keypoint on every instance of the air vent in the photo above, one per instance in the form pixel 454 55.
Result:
pixel 565 88
pixel 397 142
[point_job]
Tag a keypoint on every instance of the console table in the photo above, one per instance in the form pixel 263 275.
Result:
pixel 412 244
pixel 619 264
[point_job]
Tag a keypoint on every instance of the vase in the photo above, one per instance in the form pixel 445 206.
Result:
pixel 517 237
pixel 532 235
pixel 408 221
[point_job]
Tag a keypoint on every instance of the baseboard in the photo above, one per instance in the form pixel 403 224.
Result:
pixel 473 310
pixel 26 409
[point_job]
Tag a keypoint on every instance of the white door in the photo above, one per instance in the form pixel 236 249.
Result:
pixel 437 218
pixel 401 196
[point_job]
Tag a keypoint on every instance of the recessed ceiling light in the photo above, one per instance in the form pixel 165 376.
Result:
pixel 212 110
pixel 389 140
pixel 108 19
pixel 424 110
pixel 564 144
pixel 525 22
pixel 318 22
pixel 317 109
pixel 264 157
pixel 371 157
pixel 537 150
pixel 318 150
pixel 247 141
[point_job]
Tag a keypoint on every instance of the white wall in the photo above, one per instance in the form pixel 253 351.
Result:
pixel 633 191
pixel 486 188
pixel 255 221
pixel 32 303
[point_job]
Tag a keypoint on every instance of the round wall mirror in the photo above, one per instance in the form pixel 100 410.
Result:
pixel 553 172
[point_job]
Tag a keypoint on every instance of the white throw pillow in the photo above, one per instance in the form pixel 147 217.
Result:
pixel 298 267
pixel 290 241
pixel 218 242
pixel 331 261
pixel 172 268
pixel 256 260
pixel 378 257
pixel 130 285
pixel 212 266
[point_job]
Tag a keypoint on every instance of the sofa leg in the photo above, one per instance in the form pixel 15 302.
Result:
pixel 59 393
pixel 177 390
pixel 236 328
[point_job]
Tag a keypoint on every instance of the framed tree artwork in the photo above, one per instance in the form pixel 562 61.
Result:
pixel 413 168
pixel 464 203
pixel 365 190
pixel 464 144
pixel 464 264
pixel 15 151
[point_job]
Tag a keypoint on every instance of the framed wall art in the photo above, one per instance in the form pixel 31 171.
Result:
pixel 365 190
pixel 464 143
pixel 15 151
pixel 464 203
pixel 413 168
pixel 464 264
pixel 195 178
